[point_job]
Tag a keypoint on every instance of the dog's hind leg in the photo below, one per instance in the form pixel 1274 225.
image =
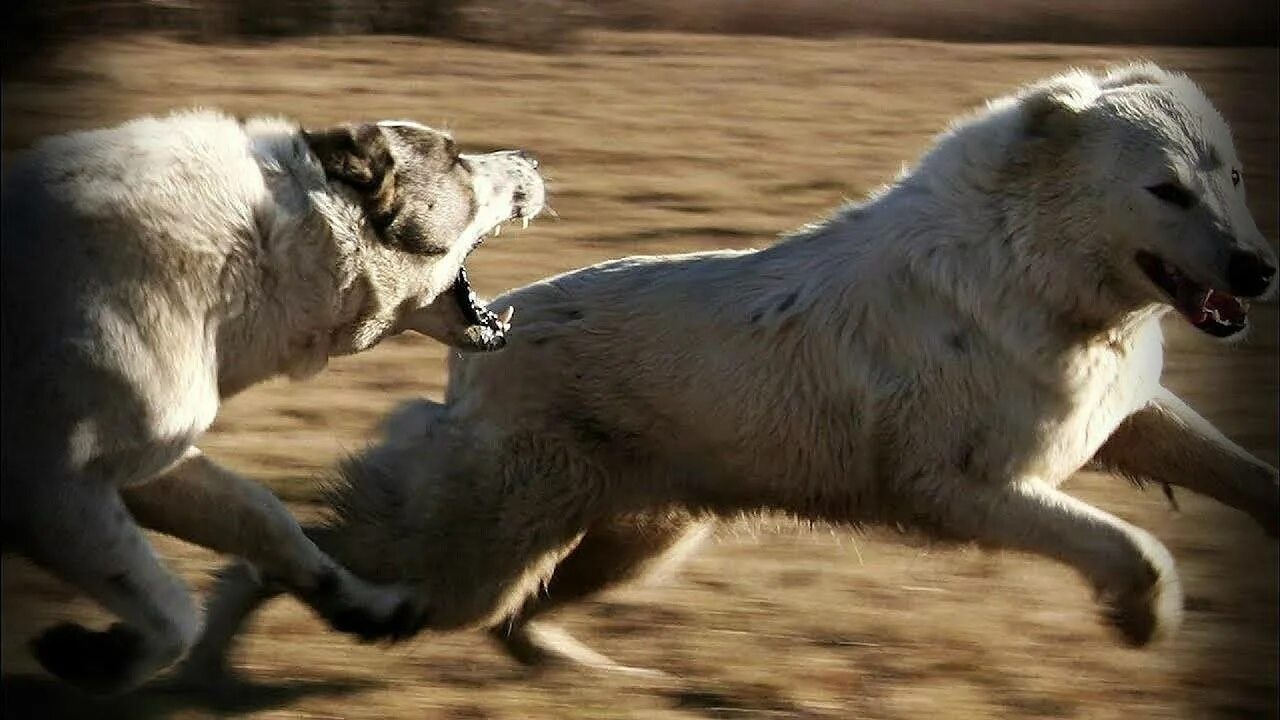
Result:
pixel 201 502
pixel 238 592
pixel 611 553
pixel 1168 442
pixel 1132 574
pixel 80 531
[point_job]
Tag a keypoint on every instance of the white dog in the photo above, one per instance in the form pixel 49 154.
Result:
pixel 154 268
pixel 940 358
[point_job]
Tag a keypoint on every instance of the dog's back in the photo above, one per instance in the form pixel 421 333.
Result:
pixel 160 199
pixel 113 245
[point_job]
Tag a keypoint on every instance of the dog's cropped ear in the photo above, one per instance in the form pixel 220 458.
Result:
pixel 1051 111
pixel 360 156
pixel 355 154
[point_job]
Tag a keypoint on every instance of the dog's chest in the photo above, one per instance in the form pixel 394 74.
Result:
pixel 1071 416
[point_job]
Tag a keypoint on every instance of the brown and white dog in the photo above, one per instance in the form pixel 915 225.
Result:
pixel 154 268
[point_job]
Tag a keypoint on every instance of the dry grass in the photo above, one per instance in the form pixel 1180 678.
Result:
pixel 1170 22
pixel 660 143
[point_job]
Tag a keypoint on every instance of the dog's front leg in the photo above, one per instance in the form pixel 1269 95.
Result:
pixel 199 501
pixel 1132 574
pixel 1168 442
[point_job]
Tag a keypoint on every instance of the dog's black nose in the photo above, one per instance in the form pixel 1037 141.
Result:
pixel 527 157
pixel 1248 274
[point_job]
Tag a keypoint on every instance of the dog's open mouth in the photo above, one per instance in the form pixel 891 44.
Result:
pixel 507 189
pixel 482 329
pixel 1212 311
pixel 485 329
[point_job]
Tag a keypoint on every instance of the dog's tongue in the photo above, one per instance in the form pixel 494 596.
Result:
pixel 1218 307
pixel 1228 307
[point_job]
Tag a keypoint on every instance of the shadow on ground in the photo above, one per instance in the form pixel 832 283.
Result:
pixel 35 697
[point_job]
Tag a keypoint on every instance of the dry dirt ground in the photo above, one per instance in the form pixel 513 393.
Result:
pixel 661 143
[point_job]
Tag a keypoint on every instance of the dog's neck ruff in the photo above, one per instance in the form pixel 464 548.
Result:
pixel 861 256
pixel 298 203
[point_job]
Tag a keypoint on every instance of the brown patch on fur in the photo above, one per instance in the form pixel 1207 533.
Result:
pixel 360 156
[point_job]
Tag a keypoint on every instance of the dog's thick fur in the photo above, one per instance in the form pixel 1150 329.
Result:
pixel 940 358
pixel 154 268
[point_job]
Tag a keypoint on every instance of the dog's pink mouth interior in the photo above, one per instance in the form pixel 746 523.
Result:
pixel 1211 311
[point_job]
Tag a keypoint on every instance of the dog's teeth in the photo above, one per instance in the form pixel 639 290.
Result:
pixel 497 230
pixel 505 317
pixel 524 223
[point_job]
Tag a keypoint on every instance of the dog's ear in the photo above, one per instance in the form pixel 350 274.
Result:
pixel 1051 111
pixel 360 156
pixel 355 154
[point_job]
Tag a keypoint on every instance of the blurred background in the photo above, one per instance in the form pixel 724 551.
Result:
pixel 670 126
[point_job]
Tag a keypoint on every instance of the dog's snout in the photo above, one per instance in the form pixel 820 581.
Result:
pixel 527 157
pixel 1248 274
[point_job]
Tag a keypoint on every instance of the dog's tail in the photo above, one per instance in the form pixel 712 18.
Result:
pixel 376 484
pixel 379 499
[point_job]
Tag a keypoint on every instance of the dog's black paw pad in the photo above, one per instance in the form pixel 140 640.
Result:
pixel 404 622
pixel 1137 626
pixel 97 661
pixel 1141 618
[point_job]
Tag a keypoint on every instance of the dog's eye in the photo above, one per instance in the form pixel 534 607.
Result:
pixel 1235 177
pixel 1173 194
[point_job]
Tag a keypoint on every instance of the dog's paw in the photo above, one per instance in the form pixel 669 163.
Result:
pixel 402 623
pixel 541 647
pixel 1147 607
pixel 368 612
pixel 97 661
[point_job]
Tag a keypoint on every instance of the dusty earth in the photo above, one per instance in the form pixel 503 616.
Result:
pixel 661 143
